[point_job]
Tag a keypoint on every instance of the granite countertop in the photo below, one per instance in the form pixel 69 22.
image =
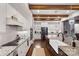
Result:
pixel 70 51
pixel 56 43
pixel 4 51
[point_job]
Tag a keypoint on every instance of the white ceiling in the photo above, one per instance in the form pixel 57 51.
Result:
pixel 54 3
pixel 53 11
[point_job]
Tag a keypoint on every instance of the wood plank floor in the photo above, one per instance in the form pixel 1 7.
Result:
pixel 40 44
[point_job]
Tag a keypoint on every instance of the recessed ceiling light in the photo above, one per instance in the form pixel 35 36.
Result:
pixel 68 11
pixel 56 11
pixel 38 11
pixel 56 19
pixel 48 17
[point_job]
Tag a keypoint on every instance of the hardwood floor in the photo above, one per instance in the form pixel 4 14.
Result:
pixel 40 44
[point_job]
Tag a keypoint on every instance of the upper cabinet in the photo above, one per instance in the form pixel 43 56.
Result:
pixel 13 17
pixel 22 12
pixel 13 21
pixel 16 15
pixel 23 9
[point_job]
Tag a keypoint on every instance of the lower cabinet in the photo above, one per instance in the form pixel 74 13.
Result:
pixel 11 54
pixel 14 53
pixel 61 53
pixel 22 49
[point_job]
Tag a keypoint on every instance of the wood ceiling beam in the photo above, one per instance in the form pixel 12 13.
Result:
pixel 53 15
pixel 54 7
pixel 45 19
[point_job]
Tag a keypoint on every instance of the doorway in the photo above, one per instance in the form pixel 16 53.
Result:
pixel 44 32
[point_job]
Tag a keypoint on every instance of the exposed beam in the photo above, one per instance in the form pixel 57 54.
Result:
pixel 47 19
pixel 53 15
pixel 54 7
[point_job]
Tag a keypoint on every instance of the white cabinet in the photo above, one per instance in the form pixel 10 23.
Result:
pixel 13 16
pixel 14 53
pixel 11 54
pixel 2 17
pixel 13 22
pixel 23 49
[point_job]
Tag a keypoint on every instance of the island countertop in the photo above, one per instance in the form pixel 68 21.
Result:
pixel 69 50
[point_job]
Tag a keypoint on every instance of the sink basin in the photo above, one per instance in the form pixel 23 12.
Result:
pixel 13 43
pixel 10 44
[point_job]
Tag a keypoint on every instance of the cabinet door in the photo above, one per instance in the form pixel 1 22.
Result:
pixel 14 53
pixel 11 54
pixel 22 50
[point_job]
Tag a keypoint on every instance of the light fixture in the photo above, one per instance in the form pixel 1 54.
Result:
pixel 38 11
pixel 56 11
pixel 48 18
pixel 68 11
pixel 57 18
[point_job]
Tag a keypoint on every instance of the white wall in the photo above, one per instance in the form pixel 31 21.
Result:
pixel 8 33
pixel 25 12
pixel 11 11
pixel 76 28
pixel 2 20
pixel 2 17
pixel 53 26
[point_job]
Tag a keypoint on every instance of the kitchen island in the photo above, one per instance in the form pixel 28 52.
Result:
pixel 56 43
pixel 63 48
pixel 68 51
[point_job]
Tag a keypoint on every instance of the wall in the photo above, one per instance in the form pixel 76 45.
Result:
pixel 53 26
pixel 2 20
pixel 76 28
pixel 2 17
pixel 8 33
pixel 13 12
pixel 25 12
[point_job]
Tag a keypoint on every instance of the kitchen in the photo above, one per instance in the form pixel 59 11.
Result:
pixel 57 24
